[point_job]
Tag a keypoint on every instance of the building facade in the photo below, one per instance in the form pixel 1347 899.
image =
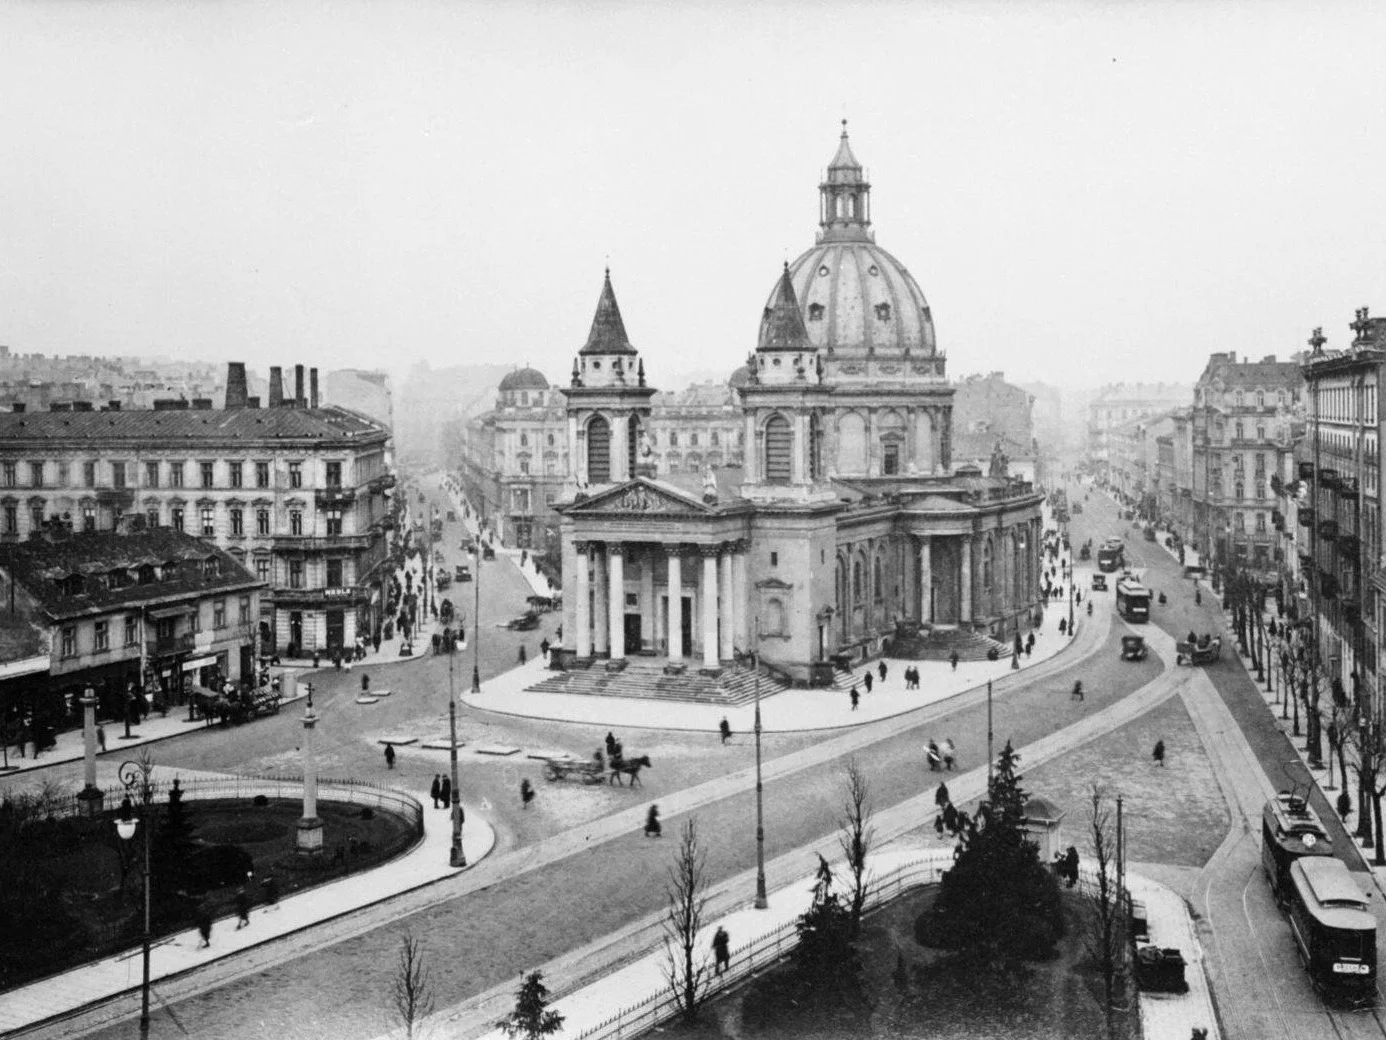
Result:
pixel 987 412
pixel 1120 404
pixel 848 527
pixel 120 611
pixel 297 492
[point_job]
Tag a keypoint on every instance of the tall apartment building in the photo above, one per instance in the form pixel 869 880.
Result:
pixel 1242 425
pixel 1119 404
pixel 297 492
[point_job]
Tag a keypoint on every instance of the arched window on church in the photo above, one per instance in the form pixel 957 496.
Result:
pixel 856 582
pixel 815 447
pixel 632 443
pixel 779 444
pixel 986 564
pixel 878 585
pixel 598 450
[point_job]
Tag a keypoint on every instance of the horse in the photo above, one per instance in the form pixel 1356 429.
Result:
pixel 630 766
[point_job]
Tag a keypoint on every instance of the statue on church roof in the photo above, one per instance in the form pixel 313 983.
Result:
pixel 999 462
pixel 709 485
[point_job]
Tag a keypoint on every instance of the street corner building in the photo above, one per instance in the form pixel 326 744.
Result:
pixel 298 492
pixel 848 532
pixel 150 610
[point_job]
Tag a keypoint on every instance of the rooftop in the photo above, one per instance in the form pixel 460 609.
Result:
pixel 209 426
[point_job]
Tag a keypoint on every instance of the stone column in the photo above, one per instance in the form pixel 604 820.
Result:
pixel 308 840
pixel 741 630
pixel 90 795
pixel 751 453
pixel 675 602
pixel 647 601
pixel 926 580
pixel 577 453
pixel 600 596
pixel 708 591
pixel 583 622
pixel 965 581
pixel 616 615
pixel 728 609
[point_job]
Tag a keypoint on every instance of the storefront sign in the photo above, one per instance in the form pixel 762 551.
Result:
pixel 198 662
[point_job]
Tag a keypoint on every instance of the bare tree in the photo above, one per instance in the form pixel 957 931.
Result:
pixel 1105 940
pixel 1371 773
pixel 413 992
pixel 856 836
pixel 686 972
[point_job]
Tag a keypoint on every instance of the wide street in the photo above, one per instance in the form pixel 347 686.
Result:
pixel 564 873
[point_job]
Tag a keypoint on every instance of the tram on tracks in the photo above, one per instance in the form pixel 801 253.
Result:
pixel 1334 930
pixel 1290 830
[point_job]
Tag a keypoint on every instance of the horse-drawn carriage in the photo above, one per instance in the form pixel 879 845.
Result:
pixel 1198 652
pixel 237 707
pixel 588 770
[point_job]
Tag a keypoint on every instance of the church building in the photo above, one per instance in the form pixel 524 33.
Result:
pixel 851 533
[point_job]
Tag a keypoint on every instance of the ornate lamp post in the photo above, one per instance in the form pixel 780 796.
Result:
pixel 456 857
pixel 476 627
pixel 90 795
pixel 136 776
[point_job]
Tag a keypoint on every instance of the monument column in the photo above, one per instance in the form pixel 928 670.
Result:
pixel 708 591
pixel 616 613
pixel 727 606
pixel 675 602
pixel 965 581
pixel 926 580
pixel 583 642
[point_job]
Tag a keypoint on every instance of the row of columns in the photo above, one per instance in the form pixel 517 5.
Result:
pixel 1004 570
pixel 601 584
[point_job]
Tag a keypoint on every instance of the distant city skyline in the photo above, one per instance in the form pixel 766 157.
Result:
pixel 1084 193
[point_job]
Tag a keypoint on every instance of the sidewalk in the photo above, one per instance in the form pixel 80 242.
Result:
pixel 101 980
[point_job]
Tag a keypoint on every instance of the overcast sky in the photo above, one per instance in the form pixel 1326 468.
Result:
pixel 1084 192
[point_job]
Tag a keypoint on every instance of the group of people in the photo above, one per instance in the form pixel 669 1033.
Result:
pixel 1202 642
pixel 911 678
pixel 441 791
pixel 941 757
pixel 1066 866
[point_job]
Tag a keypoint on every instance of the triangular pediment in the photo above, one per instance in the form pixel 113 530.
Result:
pixel 640 496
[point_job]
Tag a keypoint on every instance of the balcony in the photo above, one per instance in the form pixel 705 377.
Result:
pixel 1328 529
pixel 322 543
pixel 1328 586
pixel 1349 545
pixel 382 483
pixel 1328 477
pixel 1306 471
pixel 179 644
pixel 334 497
pixel 1347 487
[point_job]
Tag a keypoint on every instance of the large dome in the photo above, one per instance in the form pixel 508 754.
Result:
pixel 524 379
pixel 858 299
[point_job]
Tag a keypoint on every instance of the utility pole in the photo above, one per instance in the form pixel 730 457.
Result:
pixel 762 902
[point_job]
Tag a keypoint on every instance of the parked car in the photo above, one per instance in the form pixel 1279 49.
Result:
pixel 1099 583
pixel 526 622
pixel 462 572
pixel 444 580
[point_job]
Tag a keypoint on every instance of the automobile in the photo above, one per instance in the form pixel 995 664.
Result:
pixel 1099 583
pixel 452 516
pixel 526 622
pixel 444 579
pixel 488 552
pixel 1133 648
pixel 1150 534
pixel 1076 508
pixel 437 536
pixel 462 572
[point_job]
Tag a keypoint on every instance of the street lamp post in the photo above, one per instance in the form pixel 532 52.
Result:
pixel 136 776
pixel 456 856
pixel 989 735
pixel 129 710
pixel 90 795
pixel 761 901
pixel 476 624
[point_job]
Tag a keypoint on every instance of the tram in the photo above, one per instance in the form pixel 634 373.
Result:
pixel 1289 830
pixel 1111 556
pixel 1334 930
pixel 1132 599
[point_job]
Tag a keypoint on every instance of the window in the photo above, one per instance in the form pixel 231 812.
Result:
pixel 238 522
pixel 262 568
pixel 10 479
pixel 211 567
pixel 102 633
pixel 236 470
pixel 1260 489
pixel 693 440
pixel 716 440
pixel 524 440
pixel 334 521
pixel 219 613
pixel 334 574
pixel 151 474
pixel 243 614
pixel 151 516
pixel 262 474
pixel 334 474
pixel 815 312
pixel 779 442
pixel 295 574
pixel 1239 491
pixel 550 440
pixel 774 559
pixel 1260 399
pixel 196 619
pixel 175 474
pixel 89 517
pixel 882 312
pixel 62 474
pixel 1260 431
pixel 1260 462
pixel 209 522
pixel 69 641
pixel 1239 522
pixel 11 519
pixel 1241 398
pixel 89 474
pixel 36 474
pixel 296 522
pixel 118 474
pixel 36 516
pixel 295 474
pixel 519 500
pixel 208 470
pixel 673 438
pixel 598 450
pixel 524 467
pixel 1260 523
pixel 262 522
pixel 890 458
pixel 1240 431
pixel 176 518
pixel 132 630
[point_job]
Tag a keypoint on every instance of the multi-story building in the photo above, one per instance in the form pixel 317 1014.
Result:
pixel 297 492
pixel 1340 520
pixel 1133 459
pixel 987 412
pixel 119 611
pixel 698 427
pixel 1242 425
pixel 1119 404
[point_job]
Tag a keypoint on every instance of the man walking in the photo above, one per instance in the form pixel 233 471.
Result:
pixel 389 756
pixel 721 950
pixel 436 788
pixel 883 672
pixel 445 792
pixel 867 678
pixel 953 660
pixel 1159 753
pixel 725 728
pixel 242 907
pixel 855 698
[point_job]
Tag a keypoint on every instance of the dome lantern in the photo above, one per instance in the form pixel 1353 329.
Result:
pixel 844 209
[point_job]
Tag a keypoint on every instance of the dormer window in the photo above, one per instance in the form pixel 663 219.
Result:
pixel 882 312
pixel 211 567
pixel 71 585
pixel 815 312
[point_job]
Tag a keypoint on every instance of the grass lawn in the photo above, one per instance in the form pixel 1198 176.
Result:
pixel 914 991
pixel 88 881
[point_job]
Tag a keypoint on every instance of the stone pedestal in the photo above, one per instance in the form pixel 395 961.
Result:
pixel 309 839
pixel 91 799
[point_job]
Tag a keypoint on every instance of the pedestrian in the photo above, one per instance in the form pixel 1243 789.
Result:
pixel 883 671
pixel 1071 866
pixel 610 744
pixel 721 950
pixel 272 890
pixel 101 736
pixel 934 757
pixel 204 926
pixel 1077 693
pixel 526 793
pixel 652 825
pixel 855 697
pixel 1063 626
pixel 242 907
pixel 953 659
pixel 1344 804
pixel 365 684
pixel 1159 753
pixel 389 756
pixel 868 679
pixel 436 788
pixel 445 792
pixel 1198 597
pixel 948 753
pixel 544 649
pixel 725 727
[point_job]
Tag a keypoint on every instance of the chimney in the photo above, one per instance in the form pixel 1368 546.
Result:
pixel 276 397
pixel 298 386
pixel 252 402
pixel 115 406
pixel 235 384
pixel 312 388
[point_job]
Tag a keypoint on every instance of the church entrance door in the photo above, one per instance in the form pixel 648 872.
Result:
pixel 687 620
pixel 634 644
